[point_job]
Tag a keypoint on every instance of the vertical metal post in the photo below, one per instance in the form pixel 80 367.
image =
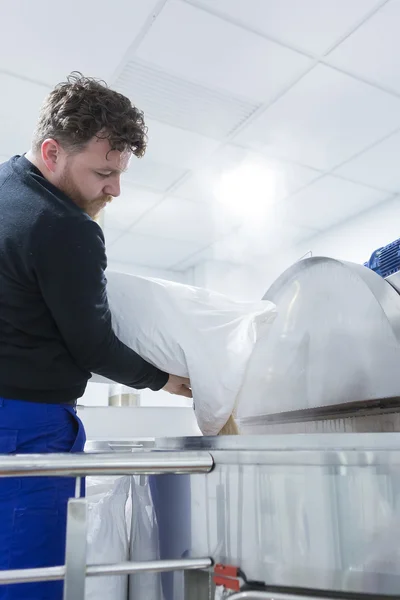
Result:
pixel 75 556
pixel 78 484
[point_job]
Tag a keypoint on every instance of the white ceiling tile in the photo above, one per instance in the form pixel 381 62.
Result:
pixel 205 49
pixel 129 207
pixel 18 116
pixel 177 147
pixel 202 185
pixel 150 251
pixel 326 118
pixel 378 167
pixel 184 220
pixel 372 50
pixel 87 36
pixel 179 102
pixel 156 176
pixel 311 25
pixel 327 202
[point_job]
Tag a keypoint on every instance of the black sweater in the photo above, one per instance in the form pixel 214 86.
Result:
pixel 55 323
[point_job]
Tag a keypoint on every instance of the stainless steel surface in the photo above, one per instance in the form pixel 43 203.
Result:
pixel 79 465
pixel 78 487
pixel 394 281
pixel 292 444
pixel 125 399
pixel 275 596
pixel 58 573
pixel 132 445
pixel 315 511
pixel 336 340
pixel 32 575
pixel 75 552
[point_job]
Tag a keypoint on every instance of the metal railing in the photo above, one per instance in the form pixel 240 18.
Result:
pixel 75 570
pixel 275 596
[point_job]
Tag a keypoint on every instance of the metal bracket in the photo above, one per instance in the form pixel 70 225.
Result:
pixel 75 558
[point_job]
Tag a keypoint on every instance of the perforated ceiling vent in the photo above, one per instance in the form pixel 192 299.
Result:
pixel 178 102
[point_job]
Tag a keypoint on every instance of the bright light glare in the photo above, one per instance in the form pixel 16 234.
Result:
pixel 248 191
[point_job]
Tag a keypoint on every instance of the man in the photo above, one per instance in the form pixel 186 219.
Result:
pixel 55 323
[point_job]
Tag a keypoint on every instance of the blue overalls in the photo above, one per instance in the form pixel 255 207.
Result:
pixel 33 510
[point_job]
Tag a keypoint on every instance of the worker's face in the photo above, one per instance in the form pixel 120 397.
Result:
pixel 91 178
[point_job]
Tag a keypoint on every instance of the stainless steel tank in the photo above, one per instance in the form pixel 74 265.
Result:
pixel 332 353
pixel 319 512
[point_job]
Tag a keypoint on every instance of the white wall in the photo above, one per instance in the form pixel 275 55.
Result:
pixel 354 241
pixel 237 281
pixel 96 394
pixel 178 276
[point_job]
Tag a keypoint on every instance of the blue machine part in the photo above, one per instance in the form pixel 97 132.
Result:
pixel 385 261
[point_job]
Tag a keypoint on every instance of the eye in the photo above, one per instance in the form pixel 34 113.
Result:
pixel 103 175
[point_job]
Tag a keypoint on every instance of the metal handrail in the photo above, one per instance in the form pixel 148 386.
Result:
pixel 125 568
pixel 75 570
pixel 274 596
pixel 80 465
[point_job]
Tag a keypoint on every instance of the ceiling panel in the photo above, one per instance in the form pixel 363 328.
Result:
pixel 287 177
pixel 150 251
pixel 327 202
pixel 47 43
pixel 154 175
pixel 129 207
pixel 177 101
pixel 371 52
pixel 185 220
pixel 177 147
pixel 17 115
pixel 311 25
pixel 210 51
pixel 326 118
pixel 378 167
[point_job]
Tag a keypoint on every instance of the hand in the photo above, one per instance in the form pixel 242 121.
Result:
pixel 180 386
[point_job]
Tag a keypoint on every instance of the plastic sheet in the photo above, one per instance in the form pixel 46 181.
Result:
pixel 190 332
pixel 107 538
pixel 144 542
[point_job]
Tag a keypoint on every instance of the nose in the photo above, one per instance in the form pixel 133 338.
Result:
pixel 113 187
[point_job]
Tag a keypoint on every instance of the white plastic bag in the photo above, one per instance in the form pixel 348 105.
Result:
pixel 107 538
pixel 190 332
pixel 144 542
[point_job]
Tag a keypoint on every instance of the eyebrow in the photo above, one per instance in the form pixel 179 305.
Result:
pixel 112 171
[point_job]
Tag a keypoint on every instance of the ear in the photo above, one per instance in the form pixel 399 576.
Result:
pixel 51 154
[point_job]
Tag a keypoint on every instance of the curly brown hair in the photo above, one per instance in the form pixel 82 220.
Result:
pixel 82 108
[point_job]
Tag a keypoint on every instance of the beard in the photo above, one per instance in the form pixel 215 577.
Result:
pixel 93 206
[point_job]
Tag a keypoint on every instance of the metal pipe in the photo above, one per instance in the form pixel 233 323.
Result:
pixel 80 465
pixel 274 596
pixel 126 568
pixel 158 566
pixel 32 575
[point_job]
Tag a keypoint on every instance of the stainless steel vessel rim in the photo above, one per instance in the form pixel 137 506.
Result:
pixel 287 443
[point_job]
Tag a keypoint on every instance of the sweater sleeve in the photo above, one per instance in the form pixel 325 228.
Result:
pixel 70 268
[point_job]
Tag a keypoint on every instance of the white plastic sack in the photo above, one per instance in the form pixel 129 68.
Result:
pixel 190 332
pixel 107 539
pixel 144 542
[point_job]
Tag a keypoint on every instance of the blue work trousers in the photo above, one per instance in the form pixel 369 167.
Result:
pixel 33 510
